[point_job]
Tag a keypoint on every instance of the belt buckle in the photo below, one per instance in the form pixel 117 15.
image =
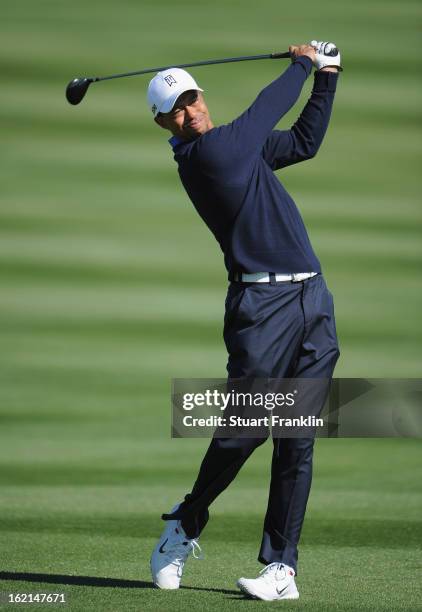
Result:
pixel 295 278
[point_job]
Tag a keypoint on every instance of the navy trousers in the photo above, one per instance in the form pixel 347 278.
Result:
pixel 284 330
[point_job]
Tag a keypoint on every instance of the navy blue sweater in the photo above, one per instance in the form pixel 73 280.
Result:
pixel 228 173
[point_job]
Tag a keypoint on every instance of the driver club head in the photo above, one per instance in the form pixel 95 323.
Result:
pixel 76 90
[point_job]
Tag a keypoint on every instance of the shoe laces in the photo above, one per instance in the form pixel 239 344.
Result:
pixel 270 571
pixel 178 552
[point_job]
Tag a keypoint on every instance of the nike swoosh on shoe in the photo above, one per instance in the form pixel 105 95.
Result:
pixel 161 549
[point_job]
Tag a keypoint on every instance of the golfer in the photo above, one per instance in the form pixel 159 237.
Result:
pixel 279 317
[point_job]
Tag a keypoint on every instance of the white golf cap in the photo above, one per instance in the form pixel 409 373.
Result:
pixel 166 87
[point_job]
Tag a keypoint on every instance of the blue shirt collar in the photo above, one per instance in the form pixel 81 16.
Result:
pixel 174 141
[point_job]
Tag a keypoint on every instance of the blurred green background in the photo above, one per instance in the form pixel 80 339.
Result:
pixel 111 285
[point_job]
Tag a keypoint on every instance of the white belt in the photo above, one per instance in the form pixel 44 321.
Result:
pixel 264 277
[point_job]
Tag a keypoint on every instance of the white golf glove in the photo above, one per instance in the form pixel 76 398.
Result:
pixel 327 54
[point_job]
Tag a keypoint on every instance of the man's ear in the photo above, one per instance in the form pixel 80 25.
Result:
pixel 159 119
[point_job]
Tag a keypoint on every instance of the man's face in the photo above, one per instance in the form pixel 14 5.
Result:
pixel 189 117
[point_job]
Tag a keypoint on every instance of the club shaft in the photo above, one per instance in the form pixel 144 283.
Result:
pixel 226 60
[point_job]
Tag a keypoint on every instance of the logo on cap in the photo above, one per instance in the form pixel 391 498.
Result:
pixel 154 108
pixel 169 79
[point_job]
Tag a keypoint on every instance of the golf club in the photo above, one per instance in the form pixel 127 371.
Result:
pixel 77 88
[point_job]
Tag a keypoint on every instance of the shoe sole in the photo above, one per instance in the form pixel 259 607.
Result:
pixel 245 590
pixel 162 588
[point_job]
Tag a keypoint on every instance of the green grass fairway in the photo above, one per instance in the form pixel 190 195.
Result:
pixel 86 522
pixel 110 286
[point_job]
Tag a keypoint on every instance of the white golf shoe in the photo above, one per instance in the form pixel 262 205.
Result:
pixel 276 581
pixel 170 555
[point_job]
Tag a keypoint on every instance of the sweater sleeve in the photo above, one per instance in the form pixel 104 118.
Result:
pixel 302 141
pixel 246 135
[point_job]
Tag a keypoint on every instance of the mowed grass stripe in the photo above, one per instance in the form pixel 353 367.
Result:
pixel 332 207
pixel 353 533
pixel 137 249
pixel 357 500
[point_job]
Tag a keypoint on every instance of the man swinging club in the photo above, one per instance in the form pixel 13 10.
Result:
pixel 279 317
